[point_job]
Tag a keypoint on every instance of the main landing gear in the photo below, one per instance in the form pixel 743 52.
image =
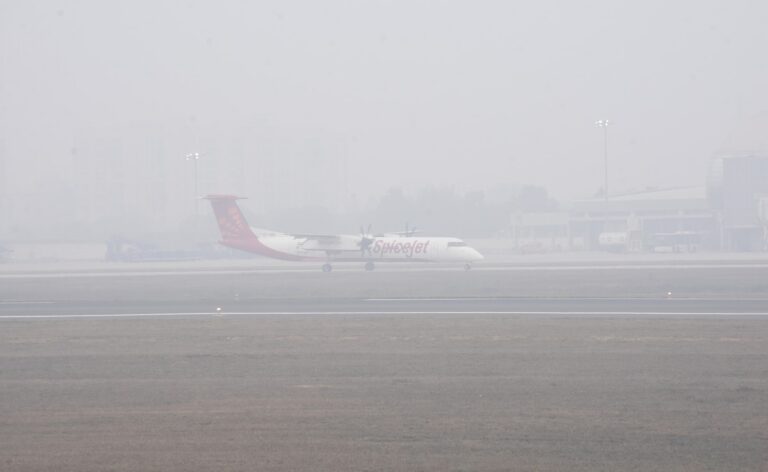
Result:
pixel 467 266
pixel 369 266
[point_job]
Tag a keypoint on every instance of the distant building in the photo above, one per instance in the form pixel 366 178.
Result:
pixel 678 219
pixel 729 213
pixel 738 193
pixel 539 232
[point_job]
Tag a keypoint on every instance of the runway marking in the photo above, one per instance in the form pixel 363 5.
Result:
pixel 104 315
pixel 661 299
pixel 363 313
pixel 639 266
pixel 400 269
pixel 453 299
pixel 25 302
pixel 501 312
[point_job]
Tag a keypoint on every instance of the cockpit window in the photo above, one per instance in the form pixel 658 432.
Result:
pixel 457 244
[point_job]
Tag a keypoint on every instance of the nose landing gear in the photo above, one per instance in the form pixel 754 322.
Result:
pixel 467 266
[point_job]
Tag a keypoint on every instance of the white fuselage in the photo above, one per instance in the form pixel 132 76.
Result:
pixel 236 233
pixel 385 249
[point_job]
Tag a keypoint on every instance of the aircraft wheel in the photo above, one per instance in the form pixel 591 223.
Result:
pixel 467 266
pixel 369 266
pixel 327 268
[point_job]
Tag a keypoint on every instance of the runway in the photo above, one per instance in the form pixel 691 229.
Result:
pixel 222 372
pixel 239 269
pixel 129 284
pixel 446 307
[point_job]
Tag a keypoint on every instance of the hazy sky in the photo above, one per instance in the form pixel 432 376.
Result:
pixel 419 92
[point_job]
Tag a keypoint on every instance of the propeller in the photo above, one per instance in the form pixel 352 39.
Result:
pixel 365 241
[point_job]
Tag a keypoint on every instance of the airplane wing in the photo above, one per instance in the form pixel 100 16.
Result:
pixel 316 236
pixel 403 234
pixel 329 242
pixel 323 238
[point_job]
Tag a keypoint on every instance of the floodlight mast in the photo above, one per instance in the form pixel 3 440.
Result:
pixel 604 125
pixel 194 157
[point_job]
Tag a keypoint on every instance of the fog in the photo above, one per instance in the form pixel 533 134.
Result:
pixel 334 105
pixel 442 261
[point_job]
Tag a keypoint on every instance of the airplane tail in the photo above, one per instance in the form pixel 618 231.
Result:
pixel 232 224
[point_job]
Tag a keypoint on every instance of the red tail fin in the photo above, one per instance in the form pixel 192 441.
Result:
pixel 231 221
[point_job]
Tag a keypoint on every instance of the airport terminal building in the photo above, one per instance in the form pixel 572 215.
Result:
pixel 729 213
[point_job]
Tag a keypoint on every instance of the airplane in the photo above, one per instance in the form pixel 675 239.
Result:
pixel 329 248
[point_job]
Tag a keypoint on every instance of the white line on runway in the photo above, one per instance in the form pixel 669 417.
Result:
pixel 103 315
pixel 452 299
pixel 385 313
pixel 421 268
pixel 660 299
pixel 624 267
pixel 25 302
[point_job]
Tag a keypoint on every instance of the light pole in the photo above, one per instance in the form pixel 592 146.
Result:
pixel 194 157
pixel 604 125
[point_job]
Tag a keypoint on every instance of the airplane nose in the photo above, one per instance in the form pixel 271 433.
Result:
pixel 476 255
